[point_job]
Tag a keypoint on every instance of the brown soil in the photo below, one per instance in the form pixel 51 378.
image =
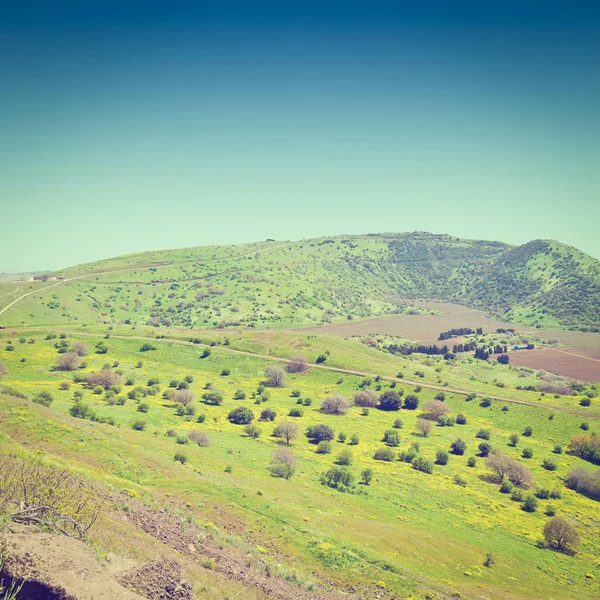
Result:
pixel 158 580
pixel 234 564
pixel 582 364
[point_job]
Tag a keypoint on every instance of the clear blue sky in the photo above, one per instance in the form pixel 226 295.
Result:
pixel 134 126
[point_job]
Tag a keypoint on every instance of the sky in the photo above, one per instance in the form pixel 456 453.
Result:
pixel 132 126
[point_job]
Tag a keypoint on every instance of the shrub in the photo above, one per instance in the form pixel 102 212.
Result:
pixel 517 495
pixel 44 398
pixel 409 455
pixel 391 438
pixel 335 405
pixel 147 347
pixel 411 402
pixel 364 412
pixel 484 449
pixel 275 376
pixel 320 432
pixel 385 454
pixel 344 457
pixel 446 421
pixel 324 447
pixel 205 353
pixel 527 453
pixel 483 434
pixel 200 438
pixel 528 431
pixel 459 480
pixel 461 419
pixel 106 378
pixel 80 410
pixel 398 424
pixel 139 425
pixel 441 457
pixel 514 440
pixel 183 397
pixel 354 440
pixel 64 385
pixel 252 430
pixel 458 447
pixel 585 402
pixel 390 400
pixel 283 463
pixel 214 397
pixel 268 414
pixel 342 437
pixel 143 407
pixel 338 478
pixel 180 457
pixel 472 462
pixel 240 415
pixel 80 349
pixel 239 395
pixel 506 487
pixel 182 439
pixel 296 412
pixel 585 482
pixel 422 464
pixel 561 535
pixel 298 364
pixel 530 503
pixel 549 464
pixel 286 430
pixel 367 398
pixel 225 372
pixel 505 466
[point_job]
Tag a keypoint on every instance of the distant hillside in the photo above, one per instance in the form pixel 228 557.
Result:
pixel 284 284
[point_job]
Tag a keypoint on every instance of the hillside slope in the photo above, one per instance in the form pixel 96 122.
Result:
pixel 284 284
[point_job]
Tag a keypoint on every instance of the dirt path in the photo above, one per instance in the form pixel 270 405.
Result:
pixel 430 386
pixel 121 270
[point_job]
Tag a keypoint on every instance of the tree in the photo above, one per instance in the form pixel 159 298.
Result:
pixel 335 405
pixel 411 402
pixel 561 535
pixel 240 415
pixel 275 376
pixel 106 378
pixel 183 397
pixel 458 447
pixel 514 439
pixel 214 397
pixel 367 476
pixel 441 457
pixel 385 454
pixel 283 463
pixel 434 409
pixel 268 414
pixel 338 477
pixel 288 430
pixel 391 437
pixel 320 432
pixel 484 448
pixel 200 438
pixel 252 430
pixel 390 400
pixel 69 361
pixel 298 364
pixel 422 464
pixel 514 471
pixel 344 457
pixel 80 348
pixel 368 398
pixel 423 427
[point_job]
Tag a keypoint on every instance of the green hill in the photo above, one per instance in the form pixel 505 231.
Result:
pixel 283 284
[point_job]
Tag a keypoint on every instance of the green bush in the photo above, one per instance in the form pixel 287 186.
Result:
pixel 422 464
pixel 385 454
pixel 240 415
pixel 441 457
pixel 180 457
pixel 324 447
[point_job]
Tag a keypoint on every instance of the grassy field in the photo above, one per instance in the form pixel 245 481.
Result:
pixel 409 534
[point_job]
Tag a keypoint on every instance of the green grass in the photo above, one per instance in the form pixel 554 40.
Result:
pixel 411 531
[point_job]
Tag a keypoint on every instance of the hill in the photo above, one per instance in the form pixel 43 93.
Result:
pixel 285 284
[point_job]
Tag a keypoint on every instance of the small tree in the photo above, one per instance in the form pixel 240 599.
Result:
pixel 366 476
pixel 275 376
pixel 368 398
pixel 324 447
pixel 458 447
pixel 252 430
pixel 69 361
pixel 434 409
pixel 283 463
pixel 106 378
pixel 298 364
pixel 268 414
pixel 344 457
pixel 423 427
pixel 391 437
pixel 390 400
pixel 411 402
pixel 200 438
pixel 441 457
pixel 354 440
pixel 214 397
pixel 320 432
pixel 561 535
pixel 287 430
pixel 513 440
pixel 183 397
pixel 80 348
pixel 335 405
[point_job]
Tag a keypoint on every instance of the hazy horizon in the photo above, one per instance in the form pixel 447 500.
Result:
pixel 126 128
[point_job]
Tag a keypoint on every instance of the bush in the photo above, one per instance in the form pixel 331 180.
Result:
pixel 390 400
pixel 409 455
pixel 472 462
pixel 422 464
pixel 283 463
pixel 70 361
pixel 225 372
pixel 434 409
pixel 528 431
pixel 320 432
pixel 342 437
pixel 514 440
pixel 483 434
pixel 286 430
pixel 324 447
pixel 549 464
pixel 139 425
pixel 385 454
pixel 182 439
pixel 458 447
pixel 275 376
pixel 585 482
pixel 268 414
pixel 80 410
pixel 517 495
pixel 180 457
pixel 44 398
pixel 441 457
pixel 530 503
pixel 411 402
pixel 461 419
pixel 239 395
pixel 344 457
pixel 147 347
pixel 506 487
pixel 214 397
pixel 252 430
pixel 484 449
pixel 296 412
pixel 391 438
pixel 354 440
pixel 105 378
pixel 298 364
pixel 398 424
pixel 240 415
pixel 143 407
pixel 459 480
pixel 527 453
pixel 423 427
pixel 200 438
pixel 366 476
pixel 338 478
pixel 367 398
pixel 335 405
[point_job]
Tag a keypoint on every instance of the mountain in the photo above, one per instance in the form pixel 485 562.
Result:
pixel 282 284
